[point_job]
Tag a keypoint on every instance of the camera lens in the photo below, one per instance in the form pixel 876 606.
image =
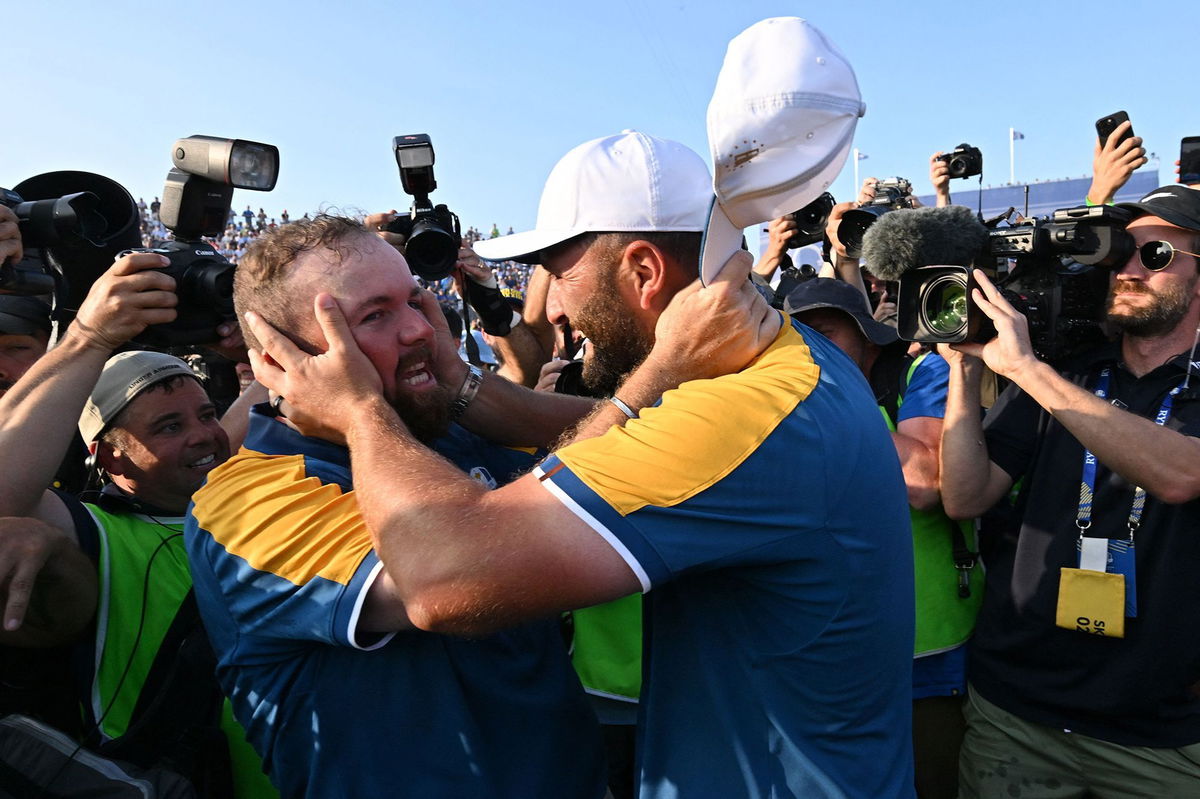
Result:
pixel 855 224
pixel 431 251
pixel 944 305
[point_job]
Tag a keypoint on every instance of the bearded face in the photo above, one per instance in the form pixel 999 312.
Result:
pixel 1144 311
pixel 618 345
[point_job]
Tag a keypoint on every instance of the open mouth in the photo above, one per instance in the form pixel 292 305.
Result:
pixel 417 375
pixel 201 463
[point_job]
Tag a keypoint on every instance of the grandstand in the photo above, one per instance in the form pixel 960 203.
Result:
pixel 1046 196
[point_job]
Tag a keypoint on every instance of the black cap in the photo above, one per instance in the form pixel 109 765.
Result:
pixel 828 292
pixel 1176 204
pixel 23 316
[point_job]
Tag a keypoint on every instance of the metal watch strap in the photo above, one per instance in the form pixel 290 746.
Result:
pixel 466 394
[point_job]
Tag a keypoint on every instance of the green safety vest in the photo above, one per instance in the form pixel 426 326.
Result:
pixel 143 558
pixel 607 651
pixel 944 619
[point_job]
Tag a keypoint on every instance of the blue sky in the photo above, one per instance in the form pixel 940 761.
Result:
pixel 505 89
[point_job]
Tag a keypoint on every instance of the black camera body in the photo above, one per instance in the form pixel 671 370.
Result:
pixel 810 222
pixel 890 195
pixel 1055 272
pixel 433 234
pixel 204 285
pixel 893 194
pixel 432 239
pixel 964 161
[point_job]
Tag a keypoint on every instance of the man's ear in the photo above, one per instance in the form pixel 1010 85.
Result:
pixel 647 273
pixel 110 459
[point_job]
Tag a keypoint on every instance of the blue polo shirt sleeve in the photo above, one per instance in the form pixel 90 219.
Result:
pixel 926 392
pixel 296 561
pixel 656 488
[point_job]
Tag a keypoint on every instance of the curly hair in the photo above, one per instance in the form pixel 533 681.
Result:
pixel 260 283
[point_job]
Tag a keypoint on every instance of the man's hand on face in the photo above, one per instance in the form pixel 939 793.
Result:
pixel 1113 163
pixel 449 369
pixel 322 392
pixel 1010 351
pixel 708 331
pixel 132 295
pixel 11 250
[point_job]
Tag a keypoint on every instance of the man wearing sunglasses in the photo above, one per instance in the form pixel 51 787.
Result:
pixel 1085 664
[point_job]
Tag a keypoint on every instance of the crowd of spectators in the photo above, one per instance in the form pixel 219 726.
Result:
pixel 243 228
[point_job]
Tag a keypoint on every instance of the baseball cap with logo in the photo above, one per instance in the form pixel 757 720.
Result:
pixel 124 377
pixel 780 125
pixel 1176 204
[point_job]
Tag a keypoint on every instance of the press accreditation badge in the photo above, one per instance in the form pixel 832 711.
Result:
pixel 1090 599
pixel 1091 602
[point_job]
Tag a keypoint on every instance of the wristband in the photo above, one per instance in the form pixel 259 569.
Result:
pixel 623 408
pixel 466 394
pixel 496 315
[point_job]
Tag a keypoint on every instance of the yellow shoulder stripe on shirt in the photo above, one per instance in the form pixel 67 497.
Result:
pixel 701 431
pixel 267 512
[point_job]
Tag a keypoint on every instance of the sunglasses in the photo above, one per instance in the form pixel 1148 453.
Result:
pixel 1158 255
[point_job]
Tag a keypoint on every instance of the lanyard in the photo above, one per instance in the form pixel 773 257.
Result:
pixel 1087 486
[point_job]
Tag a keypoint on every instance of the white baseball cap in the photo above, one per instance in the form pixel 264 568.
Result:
pixel 780 125
pixel 630 182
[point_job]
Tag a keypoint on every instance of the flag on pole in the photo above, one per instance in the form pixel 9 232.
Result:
pixel 861 155
pixel 1017 135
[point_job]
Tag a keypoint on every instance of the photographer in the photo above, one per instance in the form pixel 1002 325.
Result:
pixel 1084 660
pixel 151 695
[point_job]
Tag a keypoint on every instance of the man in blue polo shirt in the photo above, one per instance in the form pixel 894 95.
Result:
pixel 337 692
pixel 742 476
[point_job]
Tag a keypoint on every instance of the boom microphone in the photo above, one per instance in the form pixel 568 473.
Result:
pixel 910 238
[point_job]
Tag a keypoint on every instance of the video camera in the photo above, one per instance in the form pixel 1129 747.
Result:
pixel 964 162
pixel 432 233
pixel 196 202
pixel 890 195
pixel 1058 280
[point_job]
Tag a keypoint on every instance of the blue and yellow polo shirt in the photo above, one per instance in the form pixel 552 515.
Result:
pixel 766 517
pixel 282 563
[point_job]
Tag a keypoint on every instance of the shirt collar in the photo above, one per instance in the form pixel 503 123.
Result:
pixel 271 436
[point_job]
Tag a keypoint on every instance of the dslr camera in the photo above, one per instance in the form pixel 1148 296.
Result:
pixel 195 203
pixel 964 161
pixel 890 195
pixel 1055 272
pixel 432 233
pixel 810 222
